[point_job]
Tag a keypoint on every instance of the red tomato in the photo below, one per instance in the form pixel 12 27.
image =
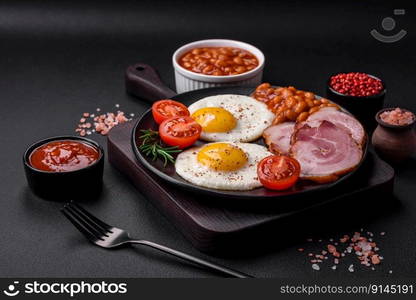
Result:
pixel 179 131
pixel 278 172
pixel 165 109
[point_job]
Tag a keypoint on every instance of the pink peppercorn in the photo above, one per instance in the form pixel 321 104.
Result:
pixel 356 84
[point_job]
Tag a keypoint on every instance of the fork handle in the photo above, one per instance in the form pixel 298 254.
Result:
pixel 193 259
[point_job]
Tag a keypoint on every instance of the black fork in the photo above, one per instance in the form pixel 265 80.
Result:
pixel 106 236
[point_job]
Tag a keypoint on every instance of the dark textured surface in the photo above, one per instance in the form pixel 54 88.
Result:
pixel 59 60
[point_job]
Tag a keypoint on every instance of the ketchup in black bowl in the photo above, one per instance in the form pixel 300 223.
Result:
pixel 63 168
pixel 63 156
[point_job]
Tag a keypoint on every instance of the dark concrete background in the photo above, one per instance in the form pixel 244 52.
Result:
pixel 60 59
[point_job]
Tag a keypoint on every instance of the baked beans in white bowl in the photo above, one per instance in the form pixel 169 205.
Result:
pixel 217 62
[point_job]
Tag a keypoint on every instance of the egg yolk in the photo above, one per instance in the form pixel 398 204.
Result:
pixel 222 157
pixel 214 119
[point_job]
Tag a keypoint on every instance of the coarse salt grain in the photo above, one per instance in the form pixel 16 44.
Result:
pixel 375 259
pixel 351 268
pixel 316 267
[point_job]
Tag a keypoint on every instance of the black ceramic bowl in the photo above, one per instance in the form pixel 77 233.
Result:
pixel 364 108
pixel 81 184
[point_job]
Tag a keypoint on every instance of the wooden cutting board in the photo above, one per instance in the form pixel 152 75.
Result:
pixel 222 226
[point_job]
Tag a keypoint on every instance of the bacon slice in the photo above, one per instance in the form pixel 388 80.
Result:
pixel 340 119
pixel 325 151
pixel 277 137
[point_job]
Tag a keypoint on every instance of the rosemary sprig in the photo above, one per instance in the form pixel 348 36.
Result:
pixel 152 146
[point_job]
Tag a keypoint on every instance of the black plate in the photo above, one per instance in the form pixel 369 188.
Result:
pixel 168 173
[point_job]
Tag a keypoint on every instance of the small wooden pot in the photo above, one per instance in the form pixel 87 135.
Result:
pixel 394 143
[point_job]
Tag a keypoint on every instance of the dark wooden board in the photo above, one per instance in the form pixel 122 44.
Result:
pixel 216 225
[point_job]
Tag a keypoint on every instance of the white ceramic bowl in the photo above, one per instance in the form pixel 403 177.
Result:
pixel 189 81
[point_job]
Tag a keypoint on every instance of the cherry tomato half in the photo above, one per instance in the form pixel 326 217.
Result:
pixel 278 172
pixel 165 109
pixel 180 131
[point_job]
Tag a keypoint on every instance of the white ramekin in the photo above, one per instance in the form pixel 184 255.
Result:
pixel 189 81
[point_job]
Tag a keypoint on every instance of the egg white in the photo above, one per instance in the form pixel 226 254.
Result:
pixel 252 116
pixel 189 168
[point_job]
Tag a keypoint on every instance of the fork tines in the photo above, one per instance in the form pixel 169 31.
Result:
pixel 92 228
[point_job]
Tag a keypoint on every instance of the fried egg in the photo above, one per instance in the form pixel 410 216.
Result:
pixel 223 165
pixel 234 118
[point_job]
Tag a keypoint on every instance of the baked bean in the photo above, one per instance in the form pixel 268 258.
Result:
pixel 310 102
pixel 269 91
pixel 277 99
pixel 316 102
pixel 238 60
pixel 313 109
pixel 220 63
pixel 263 86
pixel 323 100
pixel 208 69
pixel 290 101
pixel 302 116
pixel 309 95
pixel 286 93
pixel 196 51
pixel 282 108
pixel 332 105
pixel 226 51
pixel 290 114
pixel 223 61
pixel 240 69
pixel 300 107
pixel 280 118
pixel 222 57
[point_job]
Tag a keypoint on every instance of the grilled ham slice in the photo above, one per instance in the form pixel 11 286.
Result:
pixel 277 137
pixel 341 120
pixel 324 150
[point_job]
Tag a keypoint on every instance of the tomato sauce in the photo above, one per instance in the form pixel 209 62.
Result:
pixel 63 156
